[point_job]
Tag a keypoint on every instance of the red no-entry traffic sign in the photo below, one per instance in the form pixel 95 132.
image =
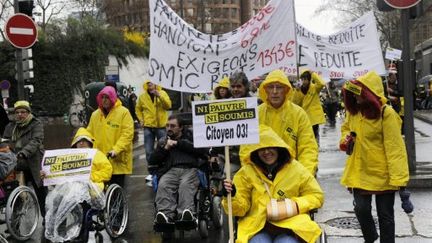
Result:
pixel 21 31
pixel 402 4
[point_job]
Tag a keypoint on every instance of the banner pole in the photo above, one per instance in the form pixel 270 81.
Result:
pixel 228 177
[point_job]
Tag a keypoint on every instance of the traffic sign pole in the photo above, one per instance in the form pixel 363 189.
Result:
pixel 408 91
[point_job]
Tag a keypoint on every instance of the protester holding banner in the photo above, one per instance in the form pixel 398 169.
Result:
pixel 287 119
pixel 221 91
pixel 176 163
pixel 377 163
pixel 152 112
pixel 307 96
pixel 271 175
pixel 113 129
pixel 26 135
pixel 101 169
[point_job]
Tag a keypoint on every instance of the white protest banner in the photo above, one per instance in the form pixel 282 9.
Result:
pixel 348 53
pixel 62 165
pixel 393 54
pixel 184 59
pixel 225 122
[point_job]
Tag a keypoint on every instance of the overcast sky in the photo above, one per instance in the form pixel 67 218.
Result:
pixel 318 24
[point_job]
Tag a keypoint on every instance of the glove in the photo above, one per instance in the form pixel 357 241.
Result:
pixel 111 154
pixel 407 205
pixel 225 193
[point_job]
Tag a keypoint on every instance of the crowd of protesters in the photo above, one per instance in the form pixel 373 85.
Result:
pixel 281 168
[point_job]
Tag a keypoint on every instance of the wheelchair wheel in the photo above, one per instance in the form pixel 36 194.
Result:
pixel 116 211
pixel 203 230
pixel 22 213
pixel 217 215
pixel 322 238
pixel 98 237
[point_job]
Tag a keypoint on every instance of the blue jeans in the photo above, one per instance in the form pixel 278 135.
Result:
pixel 149 138
pixel 264 237
pixel 385 211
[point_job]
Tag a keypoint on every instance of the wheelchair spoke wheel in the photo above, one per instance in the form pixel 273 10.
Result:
pixel 203 230
pixel 217 212
pixel 116 211
pixel 22 213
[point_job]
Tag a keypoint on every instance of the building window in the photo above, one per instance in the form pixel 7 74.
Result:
pixel 233 13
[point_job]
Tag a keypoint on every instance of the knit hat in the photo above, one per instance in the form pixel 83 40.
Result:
pixel 22 104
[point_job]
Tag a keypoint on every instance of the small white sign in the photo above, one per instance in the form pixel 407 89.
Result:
pixel 393 54
pixel 111 70
pixel 62 165
pixel 225 122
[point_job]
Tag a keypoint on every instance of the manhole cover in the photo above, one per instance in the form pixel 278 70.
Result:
pixel 346 223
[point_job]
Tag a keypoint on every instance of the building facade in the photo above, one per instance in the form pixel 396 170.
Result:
pixel 208 16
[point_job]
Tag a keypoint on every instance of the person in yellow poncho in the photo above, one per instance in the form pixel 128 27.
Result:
pixel 272 171
pixel 287 119
pixel 152 112
pixel 113 128
pixel 377 163
pixel 221 91
pixel 101 169
pixel 307 97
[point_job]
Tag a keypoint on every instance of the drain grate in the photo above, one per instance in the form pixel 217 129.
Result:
pixel 346 223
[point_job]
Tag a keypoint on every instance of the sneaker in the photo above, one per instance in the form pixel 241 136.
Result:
pixel 187 215
pixel 161 218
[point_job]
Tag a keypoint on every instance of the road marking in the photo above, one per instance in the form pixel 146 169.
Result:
pixel 21 31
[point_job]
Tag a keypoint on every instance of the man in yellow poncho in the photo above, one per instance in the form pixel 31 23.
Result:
pixel 287 119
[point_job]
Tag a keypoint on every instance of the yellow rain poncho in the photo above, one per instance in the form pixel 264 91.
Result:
pixel 292 181
pixel 379 159
pixel 290 122
pixel 101 169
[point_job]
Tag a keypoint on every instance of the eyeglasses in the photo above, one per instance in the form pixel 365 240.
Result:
pixel 21 112
pixel 171 125
pixel 276 87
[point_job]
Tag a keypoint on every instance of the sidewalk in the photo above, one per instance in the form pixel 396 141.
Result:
pixel 424 115
pixel 337 216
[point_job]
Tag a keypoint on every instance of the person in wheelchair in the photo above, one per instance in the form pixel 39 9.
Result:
pixel 272 194
pixel 175 163
pixel 100 174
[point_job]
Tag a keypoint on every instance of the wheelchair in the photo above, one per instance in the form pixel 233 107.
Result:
pixel 21 208
pixel 208 207
pixel 113 217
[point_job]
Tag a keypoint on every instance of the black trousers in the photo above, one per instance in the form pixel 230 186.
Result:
pixel 385 211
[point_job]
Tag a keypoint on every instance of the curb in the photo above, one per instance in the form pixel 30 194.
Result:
pixel 423 118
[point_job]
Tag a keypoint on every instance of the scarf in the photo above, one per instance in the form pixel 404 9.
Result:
pixel 16 133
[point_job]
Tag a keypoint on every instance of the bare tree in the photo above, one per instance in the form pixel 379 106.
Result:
pixel 50 9
pixel 388 23
pixel 6 9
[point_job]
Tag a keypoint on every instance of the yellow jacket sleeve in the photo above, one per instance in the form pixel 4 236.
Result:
pixel 312 195
pixel 345 130
pixel 126 137
pixel 165 100
pixel 297 97
pixel 307 147
pixel 241 201
pixel 394 147
pixel 101 168
pixel 319 82
pixel 139 109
